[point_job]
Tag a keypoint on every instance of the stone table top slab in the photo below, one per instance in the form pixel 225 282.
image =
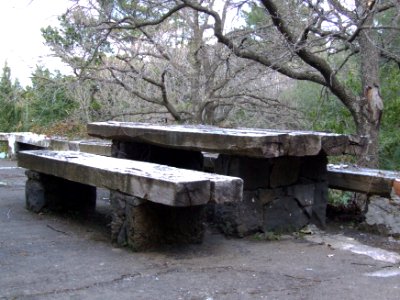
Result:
pixel 244 141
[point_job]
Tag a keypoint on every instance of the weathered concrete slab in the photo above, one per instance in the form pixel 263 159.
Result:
pixel 363 180
pixel 19 141
pixel 3 137
pixel 98 147
pixel 157 183
pixel 244 142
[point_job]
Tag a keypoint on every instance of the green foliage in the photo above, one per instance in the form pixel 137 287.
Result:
pixel 352 80
pixel 49 100
pixel 339 198
pixel 76 36
pixel 390 124
pixel 328 114
pixel 3 147
pixel 10 104
pixel 255 16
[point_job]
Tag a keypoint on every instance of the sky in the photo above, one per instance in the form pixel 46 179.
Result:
pixel 22 45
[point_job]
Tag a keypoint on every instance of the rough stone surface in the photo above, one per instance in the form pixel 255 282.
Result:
pixel 314 168
pixel 384 215
pixel 291 194
pixel 35 199
pixel 304 194
pixel 284 171
pixel 320 203
pixel 241 218
pixel 49 192
pixel 143 225
pixel 285 214
pixel 52 257
pixel 253 171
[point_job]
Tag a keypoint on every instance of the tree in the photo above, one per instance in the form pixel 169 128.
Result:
pixel 49 98
pixel 390 128
pixel 308 35
pixel 309 40
pixel 175 66
pixel 10 107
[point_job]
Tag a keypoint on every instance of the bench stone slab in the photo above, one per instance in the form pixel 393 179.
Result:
pixel 362 180
pixel 153 182
pixel 151 204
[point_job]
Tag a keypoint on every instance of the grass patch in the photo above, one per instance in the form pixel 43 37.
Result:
pixel 3 149
pixel 339 198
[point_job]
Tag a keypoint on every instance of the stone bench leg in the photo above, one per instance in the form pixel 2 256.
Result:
pixel 141 224
pixel 48 192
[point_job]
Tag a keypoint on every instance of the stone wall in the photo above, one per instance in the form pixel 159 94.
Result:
pixel 280 194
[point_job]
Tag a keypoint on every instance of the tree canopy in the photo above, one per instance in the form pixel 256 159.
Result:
pixel 175 65
pixel 319 64
pixel 164 52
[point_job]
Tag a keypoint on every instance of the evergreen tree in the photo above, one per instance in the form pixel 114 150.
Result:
pixel 49 99
pixel 10 108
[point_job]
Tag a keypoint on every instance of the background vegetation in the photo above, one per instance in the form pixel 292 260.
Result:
pixel 143 61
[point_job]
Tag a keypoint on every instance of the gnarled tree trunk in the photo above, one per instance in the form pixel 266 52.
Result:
pixel 371 104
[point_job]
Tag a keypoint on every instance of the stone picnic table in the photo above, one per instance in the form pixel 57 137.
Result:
pixel 284 172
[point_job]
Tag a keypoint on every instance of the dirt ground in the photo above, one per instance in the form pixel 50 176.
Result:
pixel 50 256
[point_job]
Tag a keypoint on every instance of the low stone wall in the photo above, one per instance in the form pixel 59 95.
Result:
pixel 19 141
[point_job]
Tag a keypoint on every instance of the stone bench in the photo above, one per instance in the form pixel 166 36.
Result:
pixel 363 180
pixel 151 204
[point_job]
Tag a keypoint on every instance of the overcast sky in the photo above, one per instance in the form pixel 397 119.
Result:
pixel 22 45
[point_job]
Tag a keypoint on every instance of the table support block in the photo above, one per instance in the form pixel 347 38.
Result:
pixel 291 193
pixel 143 225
